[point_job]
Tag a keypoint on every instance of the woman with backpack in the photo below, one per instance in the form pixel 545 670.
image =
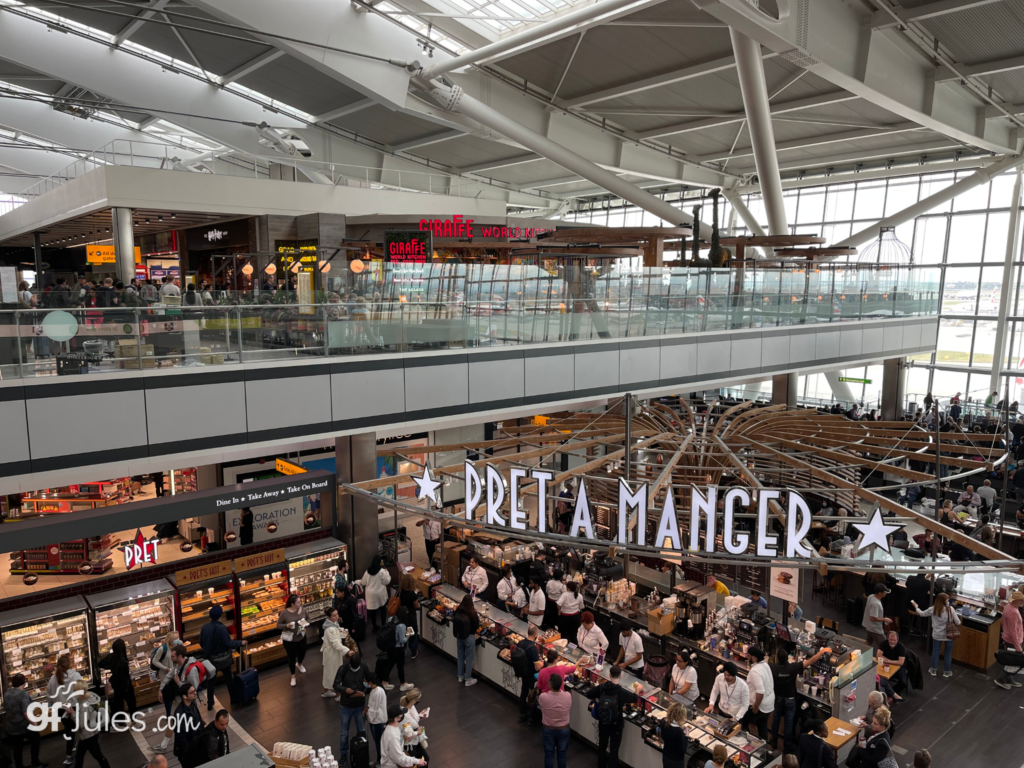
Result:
pixel 391 641
pixel 375 583
pixel 465 624
pixel 944 631
pixel 292 622
pixel 120 677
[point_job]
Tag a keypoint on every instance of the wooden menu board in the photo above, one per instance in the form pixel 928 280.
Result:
pixel 259 560
pixel 202 573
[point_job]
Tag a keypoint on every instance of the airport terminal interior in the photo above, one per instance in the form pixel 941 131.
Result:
pixel 507 383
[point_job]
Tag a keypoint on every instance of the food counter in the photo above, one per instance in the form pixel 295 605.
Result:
pixel 141 615
pixel 311 571
pixel 261 596
pixel 641 747
pixel 200 589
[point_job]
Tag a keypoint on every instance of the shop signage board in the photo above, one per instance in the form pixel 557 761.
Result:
pixel 202 573
pixel 104 254
pixel 8 285
pixel 408 247
pixel 140 551
pixel 259 560
pixel 486 495
pixel 290 517
pixel 287 468
pixel 851 380
pixel 785 584
pixel 754 577
pixel 223 235
pixel 304 288
pixel 461 228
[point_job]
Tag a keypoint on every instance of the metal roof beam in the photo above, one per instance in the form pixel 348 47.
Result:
pixel 657 81
pixel 814 141
pixel 945 74
pixel 250 66
pixel 883 20
pixel 134 26
pixel 738 117
pixel 832 43
pixel 425 141
pixel 937 145
pixel 493 165
pixel 348 109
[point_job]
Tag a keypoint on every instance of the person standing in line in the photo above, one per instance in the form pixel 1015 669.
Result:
pixel 376 711
pixel 375 584
pixel 610 699
pixel 718 757
pixel 762 693
pixel 340 577
pixel 526 673
pixel 874 615
pixel 812 748
pixel 569 606
pixel 218 649
pixel 15 727
pixel 292 622
pixel 506 587
pixel 90 726
pixel 590 637
pixel 396 650
pixel 922 759
pixel 58 693
pixel 349 684
pixel 943 617
pixel 474 579
pixel 535 609
pixel 730 694
pixel 431 538
pixel 631 651
pixel 393 754
pixel 116 661
pixel 555 708
pixel 169 288
pixel 408 598
pixel 214 741
pixel 674 738
pixel 413 734
pixel 1012 636
pixel 465 624
pixel 554 589
pixel 346 605
pixel 188 723
pixel 334 652
pixel 683 682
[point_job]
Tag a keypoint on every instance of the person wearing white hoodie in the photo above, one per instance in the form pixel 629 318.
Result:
pixel 90 725
pixel 58 693
pixel 393 755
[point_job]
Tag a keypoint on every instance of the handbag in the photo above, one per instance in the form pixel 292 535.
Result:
pixel 889 761
pixel 952 630
pixel 222 661
pixel 393 605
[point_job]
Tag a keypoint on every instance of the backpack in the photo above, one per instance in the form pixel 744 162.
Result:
pixel 197 751
pixel 386 640
pixel 198 665
pixel 361 611
pixel 606 711
pixel 164 652
pixel 520 663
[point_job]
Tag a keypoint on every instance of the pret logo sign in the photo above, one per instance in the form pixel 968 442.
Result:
pixel 140 551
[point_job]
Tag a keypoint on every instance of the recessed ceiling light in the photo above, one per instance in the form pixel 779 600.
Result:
pixel 159 218
pixel 174 215
pixel 147 221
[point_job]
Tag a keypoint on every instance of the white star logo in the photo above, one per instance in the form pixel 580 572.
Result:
pixel 876 531
pixel 427 487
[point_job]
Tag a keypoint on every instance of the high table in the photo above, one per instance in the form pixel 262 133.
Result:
pixel 639 747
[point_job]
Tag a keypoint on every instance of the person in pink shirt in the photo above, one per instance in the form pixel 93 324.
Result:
pixel 552 667
pixel 555 706
pixel 1013 635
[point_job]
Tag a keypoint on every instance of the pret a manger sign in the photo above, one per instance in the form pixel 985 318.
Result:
pixel 485 496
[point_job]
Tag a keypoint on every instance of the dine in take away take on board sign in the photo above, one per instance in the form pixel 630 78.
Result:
pixel 488 494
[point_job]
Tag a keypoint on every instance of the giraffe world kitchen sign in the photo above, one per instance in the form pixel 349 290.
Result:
pixel 461 228
pixel 487 492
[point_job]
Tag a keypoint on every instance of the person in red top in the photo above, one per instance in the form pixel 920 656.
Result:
pixel 552 667
pixel 1013 635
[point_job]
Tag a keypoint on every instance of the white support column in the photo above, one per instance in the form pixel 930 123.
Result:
pixel 454 99
pixel 124 243
pixel 1006 290
pixel 981 176
pixel 748 218
pixel 750 69
pixel 840 389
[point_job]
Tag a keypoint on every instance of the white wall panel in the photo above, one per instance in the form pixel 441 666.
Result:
pixel 911 335
pixel 826 345
pixel 850 341
pixel 276 403
pixel 872 340
pixel 929 333
pixel 497 380
pixel 745 353
pixel 436 386
pixel 713 356
pixel 597 369
pixel 801 347
pixel 774 351
pixel 14 428
pixel 893 337
pixel 552 373
pixel 678 361
pixel 108 421
pixel 367 393
pixel 221 406
pixel 639 364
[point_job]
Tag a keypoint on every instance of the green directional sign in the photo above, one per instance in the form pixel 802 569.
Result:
pixel 851 380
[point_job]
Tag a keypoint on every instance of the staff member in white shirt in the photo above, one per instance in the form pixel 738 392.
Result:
pixel 761 688
pixel 569 606
pixel 517 602
pixel 475 577
pixel 392 752
pixel 431 538
pixel 631 651
pixel 506 586
pixel 590 637
pixel 730 694
pixel 555 588
pixel 683 685
pixel 535 610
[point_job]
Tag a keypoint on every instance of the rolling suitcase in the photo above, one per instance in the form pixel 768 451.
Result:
pixel 359 629
pixel 359 752
pixel 245 686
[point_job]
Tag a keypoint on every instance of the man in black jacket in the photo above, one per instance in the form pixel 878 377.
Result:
pixel 349 685
pixel 217 645
pixel 610 699
pixel 212 743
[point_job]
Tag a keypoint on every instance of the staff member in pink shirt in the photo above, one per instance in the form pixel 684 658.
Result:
pixel 555 706
pixel 1013 635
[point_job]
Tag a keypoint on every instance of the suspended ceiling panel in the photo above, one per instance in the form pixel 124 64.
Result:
pixel 527 173
pixel 107 22
pixel 300 85
pixel 381 124
pixel 544 66
pixel 467 150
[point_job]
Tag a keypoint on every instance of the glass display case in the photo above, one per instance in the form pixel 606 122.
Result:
pixel 32 638
pixel 195 599
pixel 141 615
pixel 261 597
pixel 311 571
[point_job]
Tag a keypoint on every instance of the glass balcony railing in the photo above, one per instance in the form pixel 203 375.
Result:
pixel 428 307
